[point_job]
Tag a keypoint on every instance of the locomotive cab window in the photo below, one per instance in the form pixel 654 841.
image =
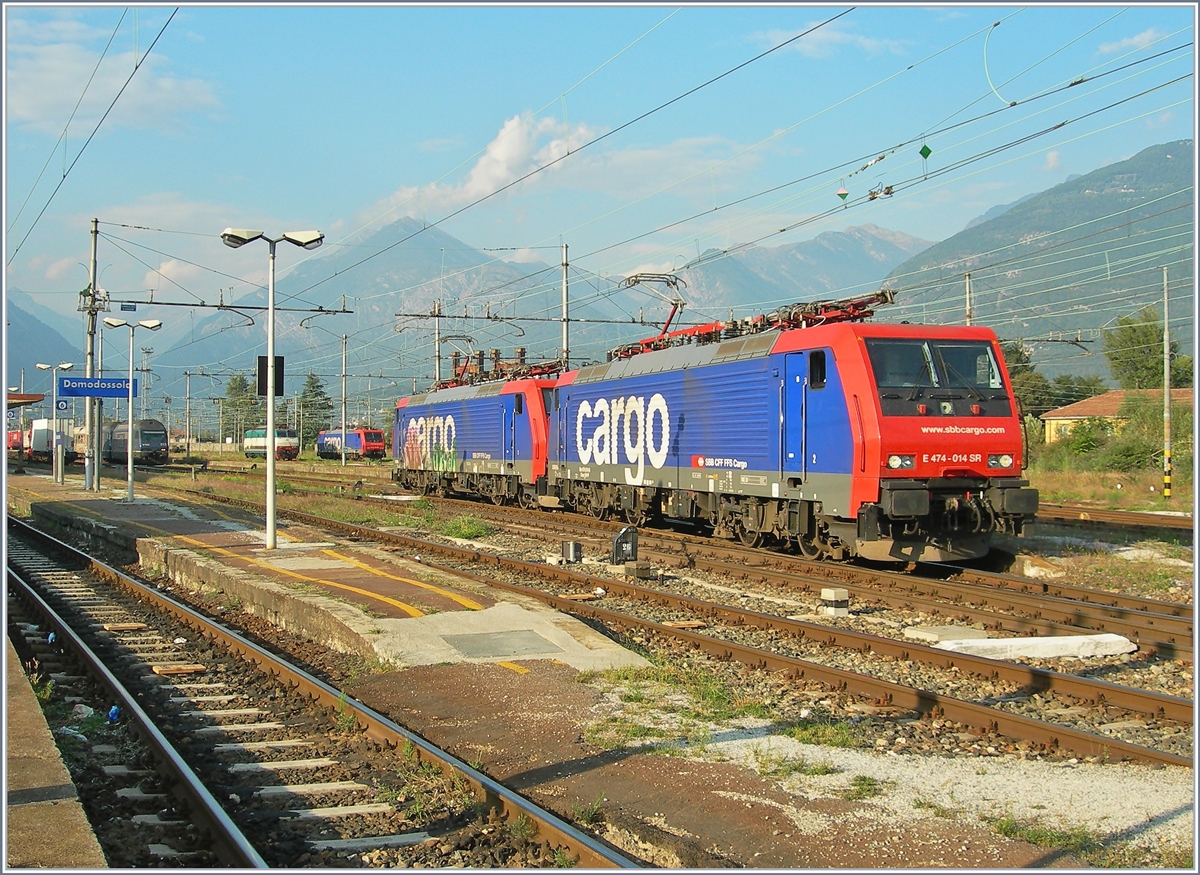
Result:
pixel 816 369
pixel 937 377
pixel 519 405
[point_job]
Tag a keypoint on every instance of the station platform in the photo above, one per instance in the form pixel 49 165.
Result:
pixel 348 595
pixel 47 827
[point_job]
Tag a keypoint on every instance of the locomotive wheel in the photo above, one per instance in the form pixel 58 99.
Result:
pixel 498 498
pixel 636 516
pixel 598 510
pixel 527 500
pixel 809 548
pixel 749 538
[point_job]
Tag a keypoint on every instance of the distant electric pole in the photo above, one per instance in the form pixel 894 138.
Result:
pixel 968 299
pixel 566 353
pixel 1166 393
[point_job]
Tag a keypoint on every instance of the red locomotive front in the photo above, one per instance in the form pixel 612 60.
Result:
pixel 950 441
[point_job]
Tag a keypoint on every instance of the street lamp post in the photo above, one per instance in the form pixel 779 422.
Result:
pixel 233 238
pixel 56 449
pixel 150 325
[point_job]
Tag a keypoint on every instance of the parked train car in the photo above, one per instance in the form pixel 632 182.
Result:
pixel 360 443
pixel 287 444
pixel 39 440
pixel 488 440
pixel 149 442
pixel 809 427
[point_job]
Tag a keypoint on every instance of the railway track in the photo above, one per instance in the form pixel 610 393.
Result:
pixel 246 760
pixel 1002 603
pixel 1048 512
pixel 807 651
pixel 1095 517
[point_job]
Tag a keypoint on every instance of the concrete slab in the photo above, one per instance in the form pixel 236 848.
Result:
pixel 308 563
pixel 506 630
pixel 502 645
pixel 1105 644
pixel 937 634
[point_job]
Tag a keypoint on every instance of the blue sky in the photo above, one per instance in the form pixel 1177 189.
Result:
pixel 347 118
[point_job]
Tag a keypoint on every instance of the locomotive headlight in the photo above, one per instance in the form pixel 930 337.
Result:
pixel 1003 460
pixel 894 461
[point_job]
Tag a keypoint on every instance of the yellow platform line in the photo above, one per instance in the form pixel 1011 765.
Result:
pixel 512 666
pixel 469 604
pixel 408 609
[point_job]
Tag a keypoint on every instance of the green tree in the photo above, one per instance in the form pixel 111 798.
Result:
pixel 1134 348
pixel 1032 389
pixel 1068 388
pixel 316 408
pixel 242 407
pixel 1017 357
pixel 1034 392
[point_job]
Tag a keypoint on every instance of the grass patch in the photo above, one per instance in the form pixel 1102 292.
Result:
pixel 522 827
pixel 615 732
pixel 590 813
pixel 863 787
pixel 563 859
pixel 464 527
pixel 1101 487
pixel 344 717
pixel 823 732
pixel 937 810
pixel 43 686
pixel 773 765
pixel 708 697
pixel 1077 840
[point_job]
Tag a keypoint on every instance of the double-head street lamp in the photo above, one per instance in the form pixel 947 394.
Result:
pixel 233 238
pixel 56 448
pixel 151 325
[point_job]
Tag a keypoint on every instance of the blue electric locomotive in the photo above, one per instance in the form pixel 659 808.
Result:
pixel 807 426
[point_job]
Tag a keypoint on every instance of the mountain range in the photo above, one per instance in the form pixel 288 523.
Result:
pixel 1049 268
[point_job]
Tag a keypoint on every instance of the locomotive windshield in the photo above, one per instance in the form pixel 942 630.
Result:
pixel 941 377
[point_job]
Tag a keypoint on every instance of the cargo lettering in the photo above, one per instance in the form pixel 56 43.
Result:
pixel 624 423
pixel 430 442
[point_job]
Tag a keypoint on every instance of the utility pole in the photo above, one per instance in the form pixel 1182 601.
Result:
pixel 89 303
pixel 437 341
pixel 1166 394
pixel 566 354
pixel 344 401
pixel 968 299
pixel 147 351
pixel 187 414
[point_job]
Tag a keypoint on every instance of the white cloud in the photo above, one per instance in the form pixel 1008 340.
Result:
pixel 825 41
pixel 1052 162
pixel 61 269
pixel 1160 121
pixel 172 274
pixel 1143 39
pixel 526 256
pixel 521 146
pixel 44 83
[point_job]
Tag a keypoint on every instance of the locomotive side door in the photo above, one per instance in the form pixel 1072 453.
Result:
pixel 510 435
pixel 794 412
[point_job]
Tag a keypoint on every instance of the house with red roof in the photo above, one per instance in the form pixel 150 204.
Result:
pixel 1058 423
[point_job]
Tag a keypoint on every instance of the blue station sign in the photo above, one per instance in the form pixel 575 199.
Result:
pixel 96 387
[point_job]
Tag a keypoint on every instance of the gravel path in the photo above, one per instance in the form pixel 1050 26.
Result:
pixel 1151 808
